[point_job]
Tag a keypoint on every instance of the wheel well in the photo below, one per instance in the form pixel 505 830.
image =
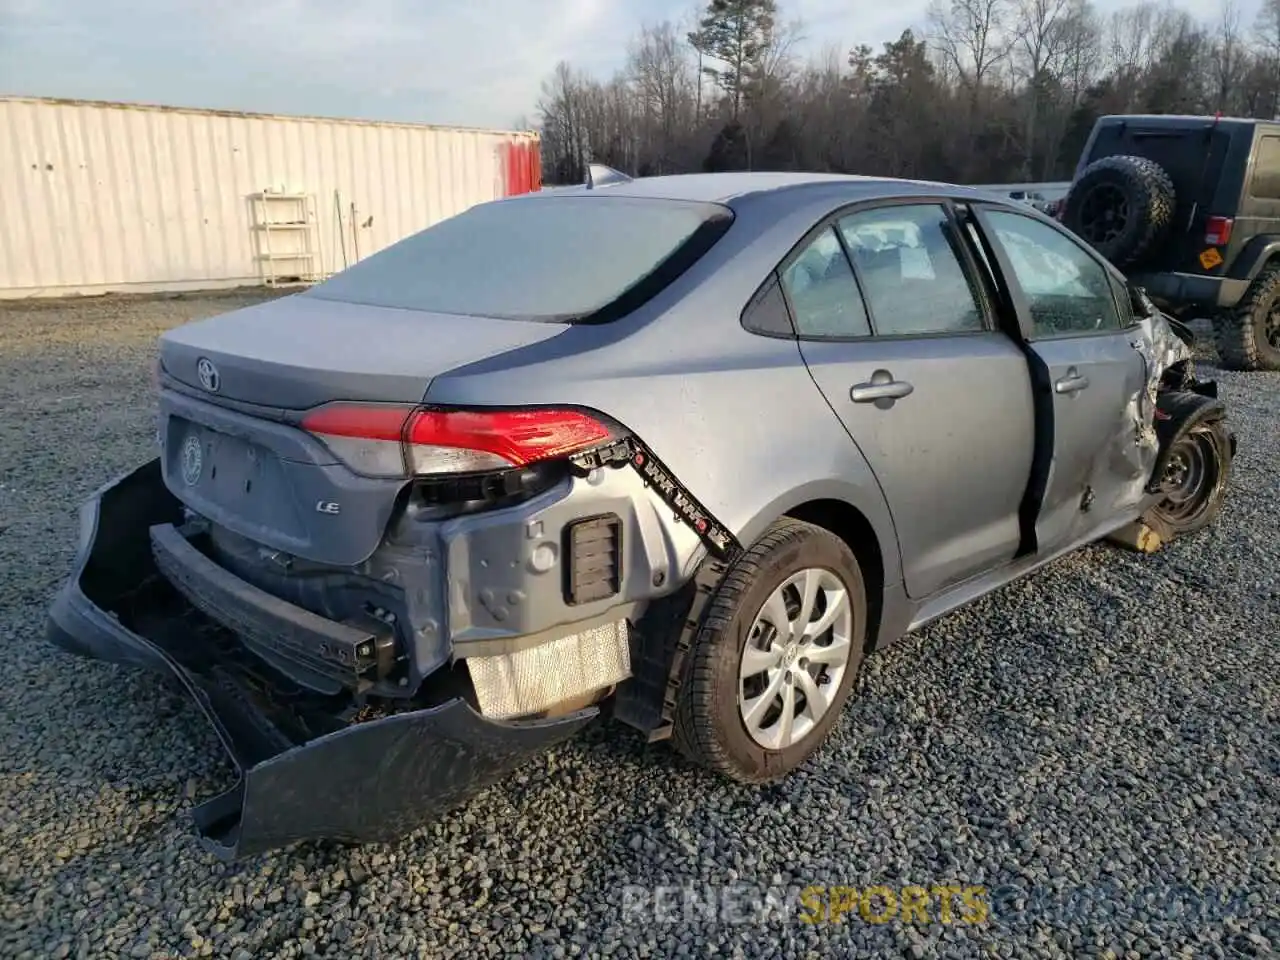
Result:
pixel 848 523
pixel 1270 262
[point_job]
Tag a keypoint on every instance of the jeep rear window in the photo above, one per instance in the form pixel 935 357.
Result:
pixel 1192 156
pixel 550 258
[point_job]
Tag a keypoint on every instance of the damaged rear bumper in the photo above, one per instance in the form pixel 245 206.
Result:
pixel 371 780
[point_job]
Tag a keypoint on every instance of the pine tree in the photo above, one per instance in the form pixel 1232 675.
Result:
pixel 737 34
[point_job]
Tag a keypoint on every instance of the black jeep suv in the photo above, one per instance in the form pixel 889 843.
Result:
pixel 1189 208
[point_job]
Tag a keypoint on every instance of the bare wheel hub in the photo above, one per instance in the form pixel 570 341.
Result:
pixel 1190 478
pixel 1184 477
pixel 796 654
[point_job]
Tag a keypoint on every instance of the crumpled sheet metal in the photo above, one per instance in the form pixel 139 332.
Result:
pixel 1160 348
pixel 373 781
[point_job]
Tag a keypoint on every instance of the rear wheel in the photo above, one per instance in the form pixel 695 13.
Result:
pixel 1248 337
pixel 773 664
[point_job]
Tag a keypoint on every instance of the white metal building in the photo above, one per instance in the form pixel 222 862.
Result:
pixel 98 197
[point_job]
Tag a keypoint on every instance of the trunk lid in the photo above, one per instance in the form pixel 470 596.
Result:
pixel 300 351
pixel 262 477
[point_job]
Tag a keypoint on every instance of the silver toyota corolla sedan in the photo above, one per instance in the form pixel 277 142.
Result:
pixel 680 451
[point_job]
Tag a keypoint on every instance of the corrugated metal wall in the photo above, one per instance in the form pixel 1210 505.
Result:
pixel 101 197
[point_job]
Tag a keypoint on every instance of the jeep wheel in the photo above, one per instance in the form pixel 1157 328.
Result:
pixel 1121 206
pixel 773 664
pixel 1248 337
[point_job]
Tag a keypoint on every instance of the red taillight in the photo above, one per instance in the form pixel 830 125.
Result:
pixel 358 421
pixel 517 436
pixel 392 440
pixel 1217 231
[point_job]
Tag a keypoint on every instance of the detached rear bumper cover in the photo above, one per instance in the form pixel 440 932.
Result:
pixel 368 782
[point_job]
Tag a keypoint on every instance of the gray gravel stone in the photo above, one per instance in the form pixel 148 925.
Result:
pixel 1095 746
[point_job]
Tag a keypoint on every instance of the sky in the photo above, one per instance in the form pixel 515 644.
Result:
pixel 477 63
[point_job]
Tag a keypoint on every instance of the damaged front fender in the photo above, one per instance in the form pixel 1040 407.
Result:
pixel 1156 410
pixel 1172 404
pixel 1163 351
pixel 1176 413
pixel 360 780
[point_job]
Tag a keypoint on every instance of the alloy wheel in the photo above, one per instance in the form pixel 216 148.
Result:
pixel 796 653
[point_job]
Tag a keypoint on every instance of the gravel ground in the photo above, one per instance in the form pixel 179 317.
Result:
pixel 1095 746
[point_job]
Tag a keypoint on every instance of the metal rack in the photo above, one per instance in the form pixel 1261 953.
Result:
pixel 279 215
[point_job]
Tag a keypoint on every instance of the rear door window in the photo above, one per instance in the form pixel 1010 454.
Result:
pixel 824 297
pixel 550 258
pixel 914 281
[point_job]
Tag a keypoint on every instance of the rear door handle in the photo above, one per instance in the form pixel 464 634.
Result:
pixel 1071 383
pixel 881 386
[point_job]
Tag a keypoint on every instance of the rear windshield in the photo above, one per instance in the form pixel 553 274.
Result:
pixel 557 259
pixel 1192 156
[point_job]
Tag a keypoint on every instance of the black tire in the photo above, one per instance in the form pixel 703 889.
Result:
pixel 1122 206
pixel 709 727
pixel 1200 452
pixel 1248 337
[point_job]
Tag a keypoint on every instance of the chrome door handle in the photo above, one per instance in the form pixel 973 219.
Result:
pixel 881 386
pixel 1071 383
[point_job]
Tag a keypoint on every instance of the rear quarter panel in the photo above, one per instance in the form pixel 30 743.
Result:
pixel 734 415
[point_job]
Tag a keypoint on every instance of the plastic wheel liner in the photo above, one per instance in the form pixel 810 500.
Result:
pixel 367 781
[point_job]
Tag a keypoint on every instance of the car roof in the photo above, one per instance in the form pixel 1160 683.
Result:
pixel 728 187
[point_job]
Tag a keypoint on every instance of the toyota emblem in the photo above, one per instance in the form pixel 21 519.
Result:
pixel 210 379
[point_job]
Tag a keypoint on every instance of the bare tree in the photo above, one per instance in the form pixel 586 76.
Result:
pixel 1038 40
pixel 1267 29
pixel 971 39
pixel 663 79
pixel 737 33
pixel 1172 78
pixel 1227 58
pixel 700 43
pixel 1076 67
pixel 564 129
pixel 1002 90
pixel 777 58
pixel 776 74
pixel 1080 50
pixel 1132 37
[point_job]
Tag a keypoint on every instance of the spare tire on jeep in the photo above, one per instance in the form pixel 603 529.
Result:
pixel 1122 206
